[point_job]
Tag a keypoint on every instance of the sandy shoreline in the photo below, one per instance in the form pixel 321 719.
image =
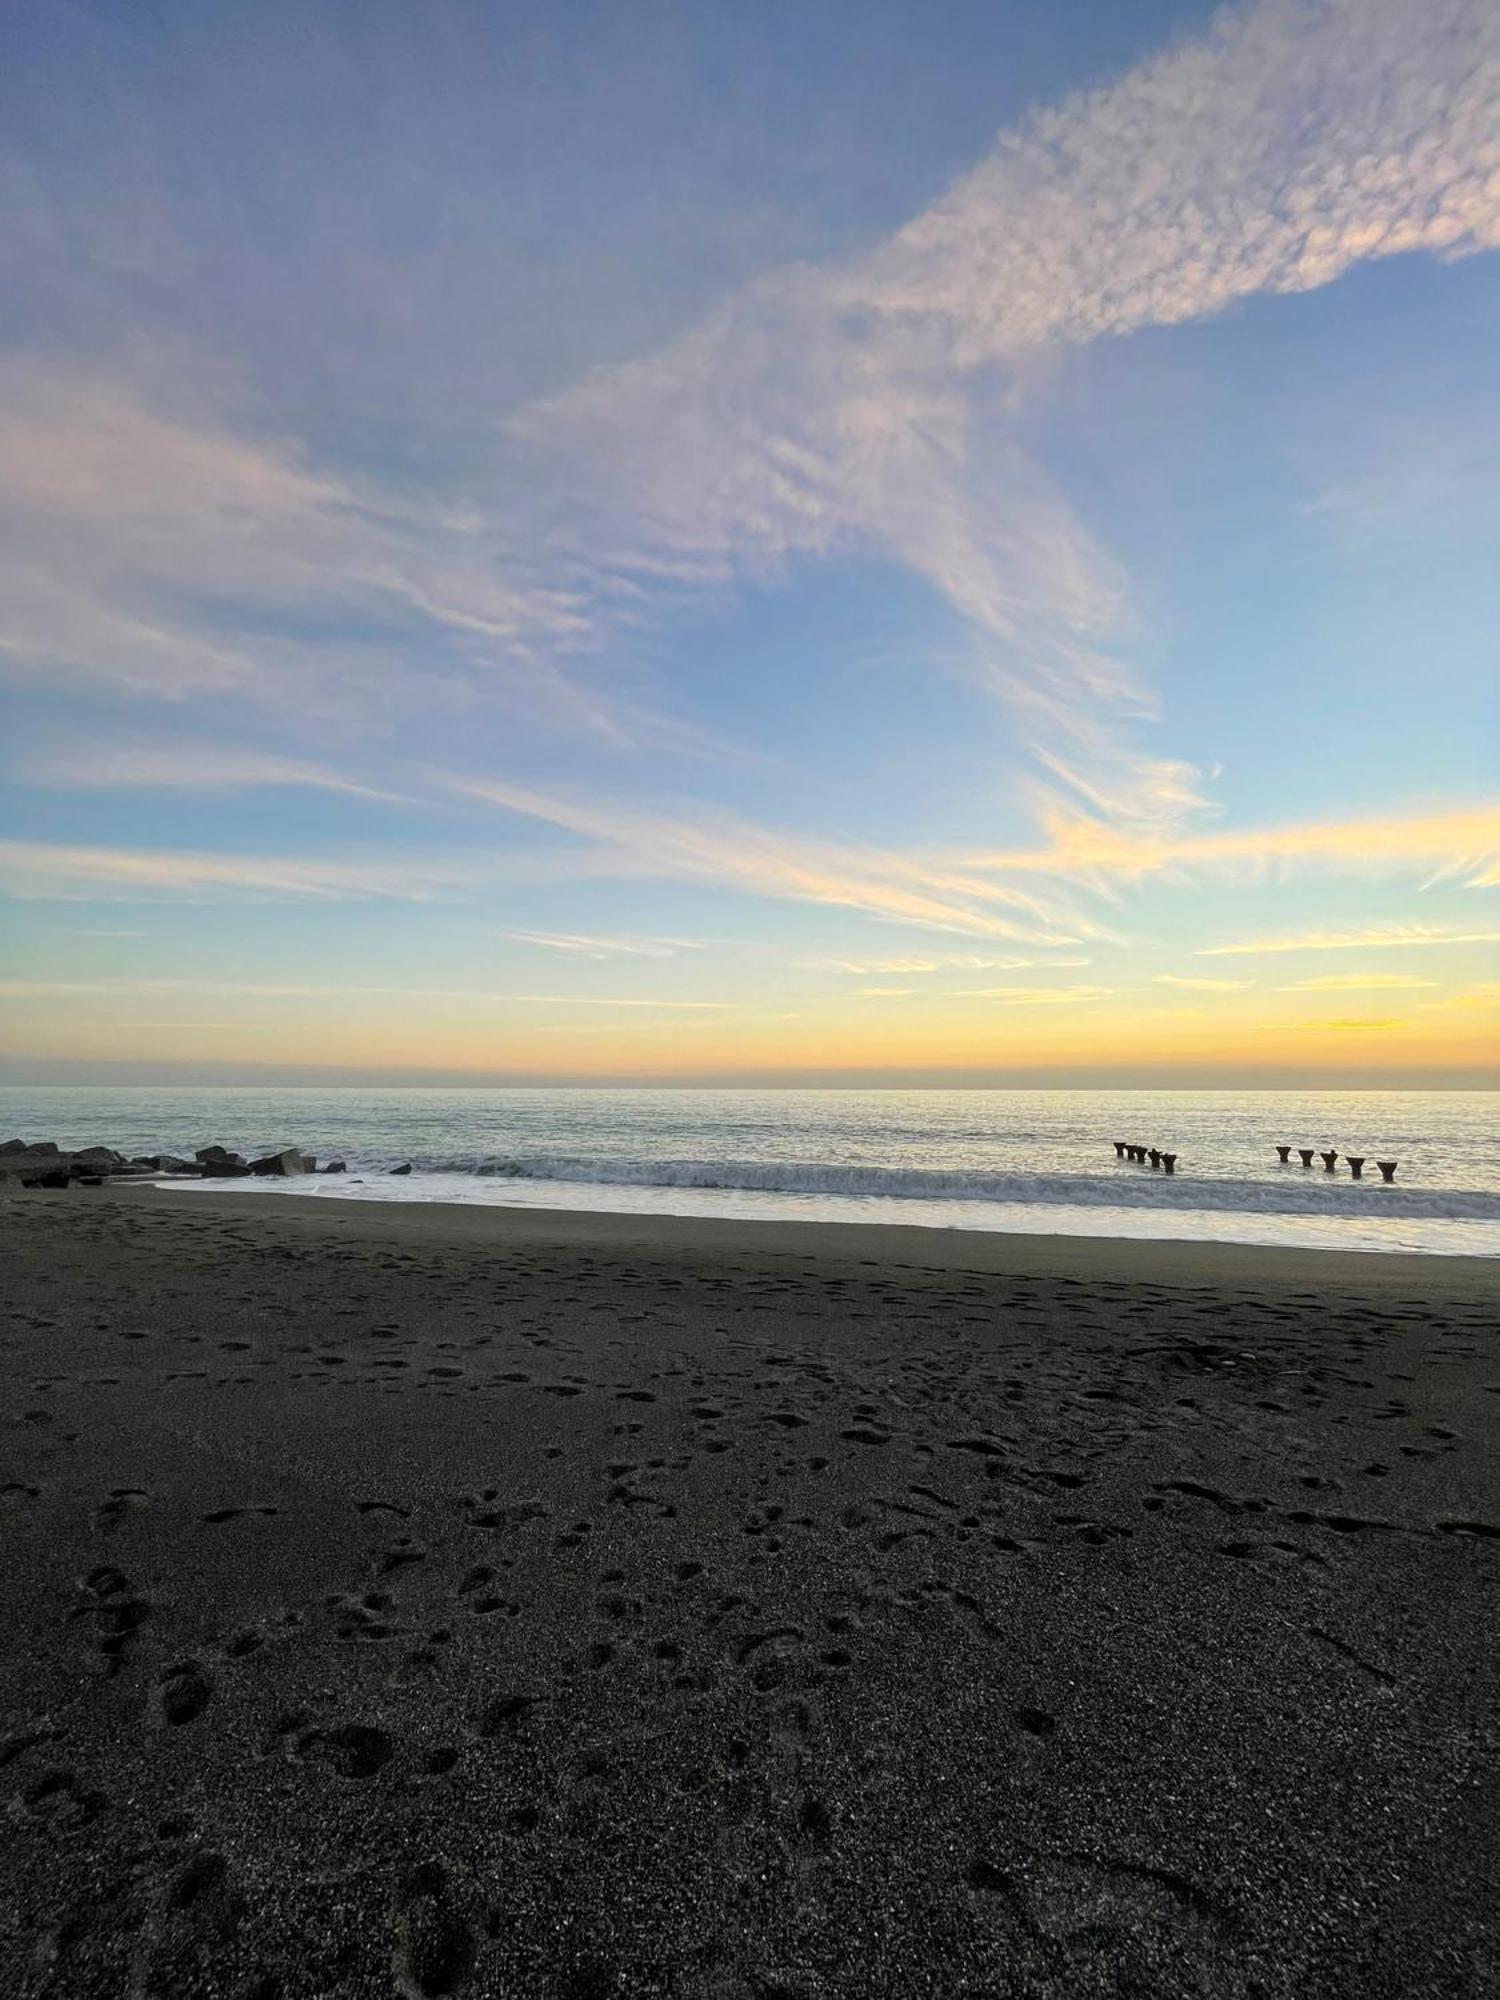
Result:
pixel 406 1600
pixel 1158 1260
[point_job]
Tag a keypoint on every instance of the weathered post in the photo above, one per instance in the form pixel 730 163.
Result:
pixel 1330 1160
pixel 1305 1153
pixel 1355 1163
pixel 1169 1161
pixel 1284 1154
pixel 1387 1170
pixel 1154 1157
pixel 1119 1149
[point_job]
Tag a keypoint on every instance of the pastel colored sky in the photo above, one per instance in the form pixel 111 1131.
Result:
pixel 853 542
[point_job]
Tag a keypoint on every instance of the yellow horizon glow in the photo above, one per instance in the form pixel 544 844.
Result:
pixel 1243 1031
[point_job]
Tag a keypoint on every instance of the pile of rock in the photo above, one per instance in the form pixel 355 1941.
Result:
pixel 42 1163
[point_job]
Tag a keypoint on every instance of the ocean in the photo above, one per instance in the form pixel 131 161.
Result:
pixel 1038 1161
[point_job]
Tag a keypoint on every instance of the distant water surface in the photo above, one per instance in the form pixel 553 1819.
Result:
pixel 1035 1161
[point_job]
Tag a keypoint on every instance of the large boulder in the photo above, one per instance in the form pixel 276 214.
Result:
pixel 14 1146
pixel 50 1177
pixel 223 1170
pixel 286 1164
pixel 405 1169
pixel 217 1155
pixel 336 1167
pixel 99 1160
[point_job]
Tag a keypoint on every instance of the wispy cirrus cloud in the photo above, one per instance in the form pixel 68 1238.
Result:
pixel 166 542
pixel 153 545
pixel 195 767
pixel 605 947
pixel 38 870
pixel 823 410
pixel 1033 996
pixel 69 989
pixel 951 962
pixel 712 846
pixel 1377 937
pixel 1202 985
pixel 1461 844
pixel 1358 982
pixel 1359 1024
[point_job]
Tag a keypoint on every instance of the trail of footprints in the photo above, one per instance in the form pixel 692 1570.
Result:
pixel 934 1477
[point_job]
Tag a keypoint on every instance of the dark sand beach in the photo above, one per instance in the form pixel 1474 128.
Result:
pixel 419 1601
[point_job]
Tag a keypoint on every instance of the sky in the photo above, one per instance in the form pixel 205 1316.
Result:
pixel 691 542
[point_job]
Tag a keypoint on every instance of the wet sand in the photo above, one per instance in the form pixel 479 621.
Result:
pixel 421 1601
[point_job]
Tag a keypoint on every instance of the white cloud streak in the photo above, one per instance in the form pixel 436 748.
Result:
pixel 150 546
pixel 43 989
pixel 1358 982
pixel 954 962
pixel 1461 845
pixel 721 848
pixel 156 544
pixel 1379 937
pixel 1202 985
pixel 195 767
pixel 850 408
pixel 1032 996
pixel 34 870
pixel 604 947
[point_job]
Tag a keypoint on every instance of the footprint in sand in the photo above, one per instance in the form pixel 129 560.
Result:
pixel 184 1693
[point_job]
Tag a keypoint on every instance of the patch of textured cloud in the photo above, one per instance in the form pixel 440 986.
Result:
pixel 148 545
pixel 1293 140
pixel 852 407
pixel 735 853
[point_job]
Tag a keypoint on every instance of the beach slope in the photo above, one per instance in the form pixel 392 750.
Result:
pixel 405 1601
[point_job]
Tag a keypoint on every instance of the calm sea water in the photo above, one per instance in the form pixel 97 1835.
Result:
pixel 1037 1161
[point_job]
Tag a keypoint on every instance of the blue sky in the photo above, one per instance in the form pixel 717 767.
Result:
pixel 704 541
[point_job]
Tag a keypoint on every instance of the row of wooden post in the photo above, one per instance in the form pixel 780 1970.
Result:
pixel 1166 1161
pixel 1354 1162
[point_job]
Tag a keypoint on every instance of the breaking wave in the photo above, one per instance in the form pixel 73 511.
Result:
pixel 1291 1194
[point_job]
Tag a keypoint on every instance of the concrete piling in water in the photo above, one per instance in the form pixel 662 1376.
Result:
pixel 1119 1149
pixel 1169 1161
pixel 1387 1170
pixel 1355 1164
pixel 1284 1154
pixel 1154 1157
pixel 1305 1153
pixel 1330 1161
